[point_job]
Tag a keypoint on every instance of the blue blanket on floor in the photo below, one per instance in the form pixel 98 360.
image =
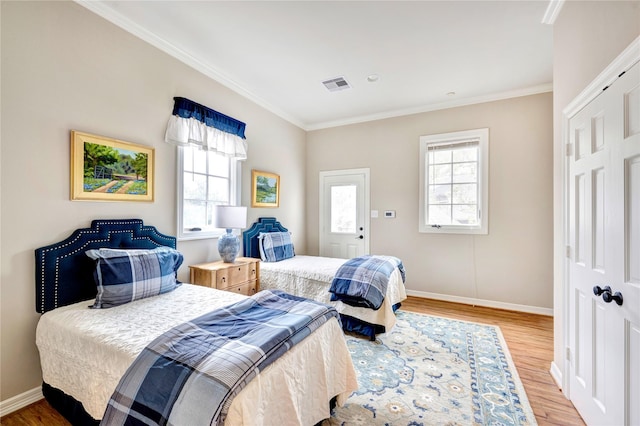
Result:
pixel 190 374
pixel 362 281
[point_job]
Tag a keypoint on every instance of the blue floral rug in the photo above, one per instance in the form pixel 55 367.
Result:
pixel 434 371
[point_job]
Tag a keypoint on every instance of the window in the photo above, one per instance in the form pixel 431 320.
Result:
pixel 205 179
pixel 454 184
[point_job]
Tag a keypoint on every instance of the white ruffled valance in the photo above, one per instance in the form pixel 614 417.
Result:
pixel 192 123
pixel 185 131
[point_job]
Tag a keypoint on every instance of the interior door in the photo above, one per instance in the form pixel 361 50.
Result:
pixel 604 258
pixel 344 222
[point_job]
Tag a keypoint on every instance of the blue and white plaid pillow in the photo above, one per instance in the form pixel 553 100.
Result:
pixel 123 276
pixel 275 246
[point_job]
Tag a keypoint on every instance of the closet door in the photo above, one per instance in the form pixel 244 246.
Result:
pixel 604 265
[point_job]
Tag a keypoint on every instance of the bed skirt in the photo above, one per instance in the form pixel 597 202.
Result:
pixel 66 405
pixel 357 326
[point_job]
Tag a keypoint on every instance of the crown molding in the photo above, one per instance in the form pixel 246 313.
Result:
pixel 534 90
pixel 552 12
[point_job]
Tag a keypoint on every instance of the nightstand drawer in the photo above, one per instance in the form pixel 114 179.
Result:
pixel 248 288
pixel 243 276
pixel 233 274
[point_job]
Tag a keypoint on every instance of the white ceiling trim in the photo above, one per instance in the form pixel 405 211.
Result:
pixel 543 88
pixel 126 24
pixel 552 12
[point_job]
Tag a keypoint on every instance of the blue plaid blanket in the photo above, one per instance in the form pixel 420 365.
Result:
pixel 362 281
pixel 189 375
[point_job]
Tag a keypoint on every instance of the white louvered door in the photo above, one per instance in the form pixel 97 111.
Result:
pixel 604 265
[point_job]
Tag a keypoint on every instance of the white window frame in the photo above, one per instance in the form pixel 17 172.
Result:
pixel 482 137
pixel 235 173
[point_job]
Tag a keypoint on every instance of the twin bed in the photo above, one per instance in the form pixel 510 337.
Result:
pixel 85 352
pixel 312 276
pixel 89 356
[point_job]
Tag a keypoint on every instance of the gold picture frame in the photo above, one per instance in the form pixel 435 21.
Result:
pixel 105 169
pixel 265 189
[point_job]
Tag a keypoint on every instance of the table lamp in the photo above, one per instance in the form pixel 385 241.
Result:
pixel 229 217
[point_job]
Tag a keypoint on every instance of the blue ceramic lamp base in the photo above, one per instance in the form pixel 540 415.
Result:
pixel 228 246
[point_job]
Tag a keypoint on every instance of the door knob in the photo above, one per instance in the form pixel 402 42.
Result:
pixel 597 290
pixel 608 297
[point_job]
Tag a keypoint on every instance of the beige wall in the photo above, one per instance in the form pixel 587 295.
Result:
pixel 511 265
pixel 587 36
pixel 65 68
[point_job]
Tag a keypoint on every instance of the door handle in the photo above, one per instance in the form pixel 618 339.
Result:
pixel 608 297
pixel 607 294
pixel 597 290
pixel 359 237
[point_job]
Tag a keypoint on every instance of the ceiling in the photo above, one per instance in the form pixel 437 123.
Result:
pixel 427 55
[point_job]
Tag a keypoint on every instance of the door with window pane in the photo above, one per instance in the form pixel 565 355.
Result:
pixel 343 220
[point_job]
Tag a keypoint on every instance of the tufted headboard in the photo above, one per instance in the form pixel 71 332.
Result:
pixel 64 274
pixel 250 236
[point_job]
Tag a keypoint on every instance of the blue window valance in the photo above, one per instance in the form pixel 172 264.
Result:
pixel 192 123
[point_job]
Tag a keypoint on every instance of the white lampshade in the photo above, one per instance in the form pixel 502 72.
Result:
pixel 230 217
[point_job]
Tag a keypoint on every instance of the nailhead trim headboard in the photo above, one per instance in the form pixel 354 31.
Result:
pixel 64 274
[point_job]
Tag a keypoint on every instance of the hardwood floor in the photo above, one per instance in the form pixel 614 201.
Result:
pixel 528 336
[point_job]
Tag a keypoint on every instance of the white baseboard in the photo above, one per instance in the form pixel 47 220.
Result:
pixel 482 302
pixel 556 375
pixel 19 401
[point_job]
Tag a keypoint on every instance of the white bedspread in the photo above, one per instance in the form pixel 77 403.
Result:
pixel 311 276
pixel 84 352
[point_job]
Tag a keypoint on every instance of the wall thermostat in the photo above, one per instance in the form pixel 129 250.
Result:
pixel 389 213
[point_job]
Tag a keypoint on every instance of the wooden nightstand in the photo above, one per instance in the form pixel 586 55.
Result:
pixel 242 277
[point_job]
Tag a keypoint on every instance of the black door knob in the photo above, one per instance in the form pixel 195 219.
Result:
pixel 608 297
pixel 597 290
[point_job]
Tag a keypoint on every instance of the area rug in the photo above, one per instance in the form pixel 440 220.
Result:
pixel 434 371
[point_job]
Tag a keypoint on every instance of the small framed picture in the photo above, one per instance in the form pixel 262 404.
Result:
pixel 105 169
pixel 265 189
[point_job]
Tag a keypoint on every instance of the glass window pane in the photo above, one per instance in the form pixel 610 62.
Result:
pixel 441 156
pixel 439 215
pixel 465 215
pixel 465 154
pixel 193 214
pixel 465 172
pixel 218 190
pixel 442 173
pixel 218 164
pixel 187 155
pixel 194 187
pixel 439 194
pixel 466 193
pixel 343 209
pixel 199 160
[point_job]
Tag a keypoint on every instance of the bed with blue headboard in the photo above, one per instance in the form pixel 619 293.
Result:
pixel 85 351
pixel 312 277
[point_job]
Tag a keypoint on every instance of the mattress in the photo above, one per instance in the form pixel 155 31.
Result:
pixel 84 352
pixel 311 276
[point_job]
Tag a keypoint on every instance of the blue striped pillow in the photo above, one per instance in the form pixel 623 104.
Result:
pixel 275 246
pixel 123 276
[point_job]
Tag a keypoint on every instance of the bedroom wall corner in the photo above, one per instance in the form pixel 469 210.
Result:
pixel 65 68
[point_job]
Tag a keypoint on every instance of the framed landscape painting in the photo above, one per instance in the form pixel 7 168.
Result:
pixel 265 189
pixel 105 169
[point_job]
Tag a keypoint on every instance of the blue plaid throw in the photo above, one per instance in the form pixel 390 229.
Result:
pixel 362 281
pixel 189 375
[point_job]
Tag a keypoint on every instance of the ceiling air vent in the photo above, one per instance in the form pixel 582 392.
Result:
pixel 335 84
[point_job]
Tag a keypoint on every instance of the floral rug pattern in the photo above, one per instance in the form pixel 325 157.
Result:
pixel 434 371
